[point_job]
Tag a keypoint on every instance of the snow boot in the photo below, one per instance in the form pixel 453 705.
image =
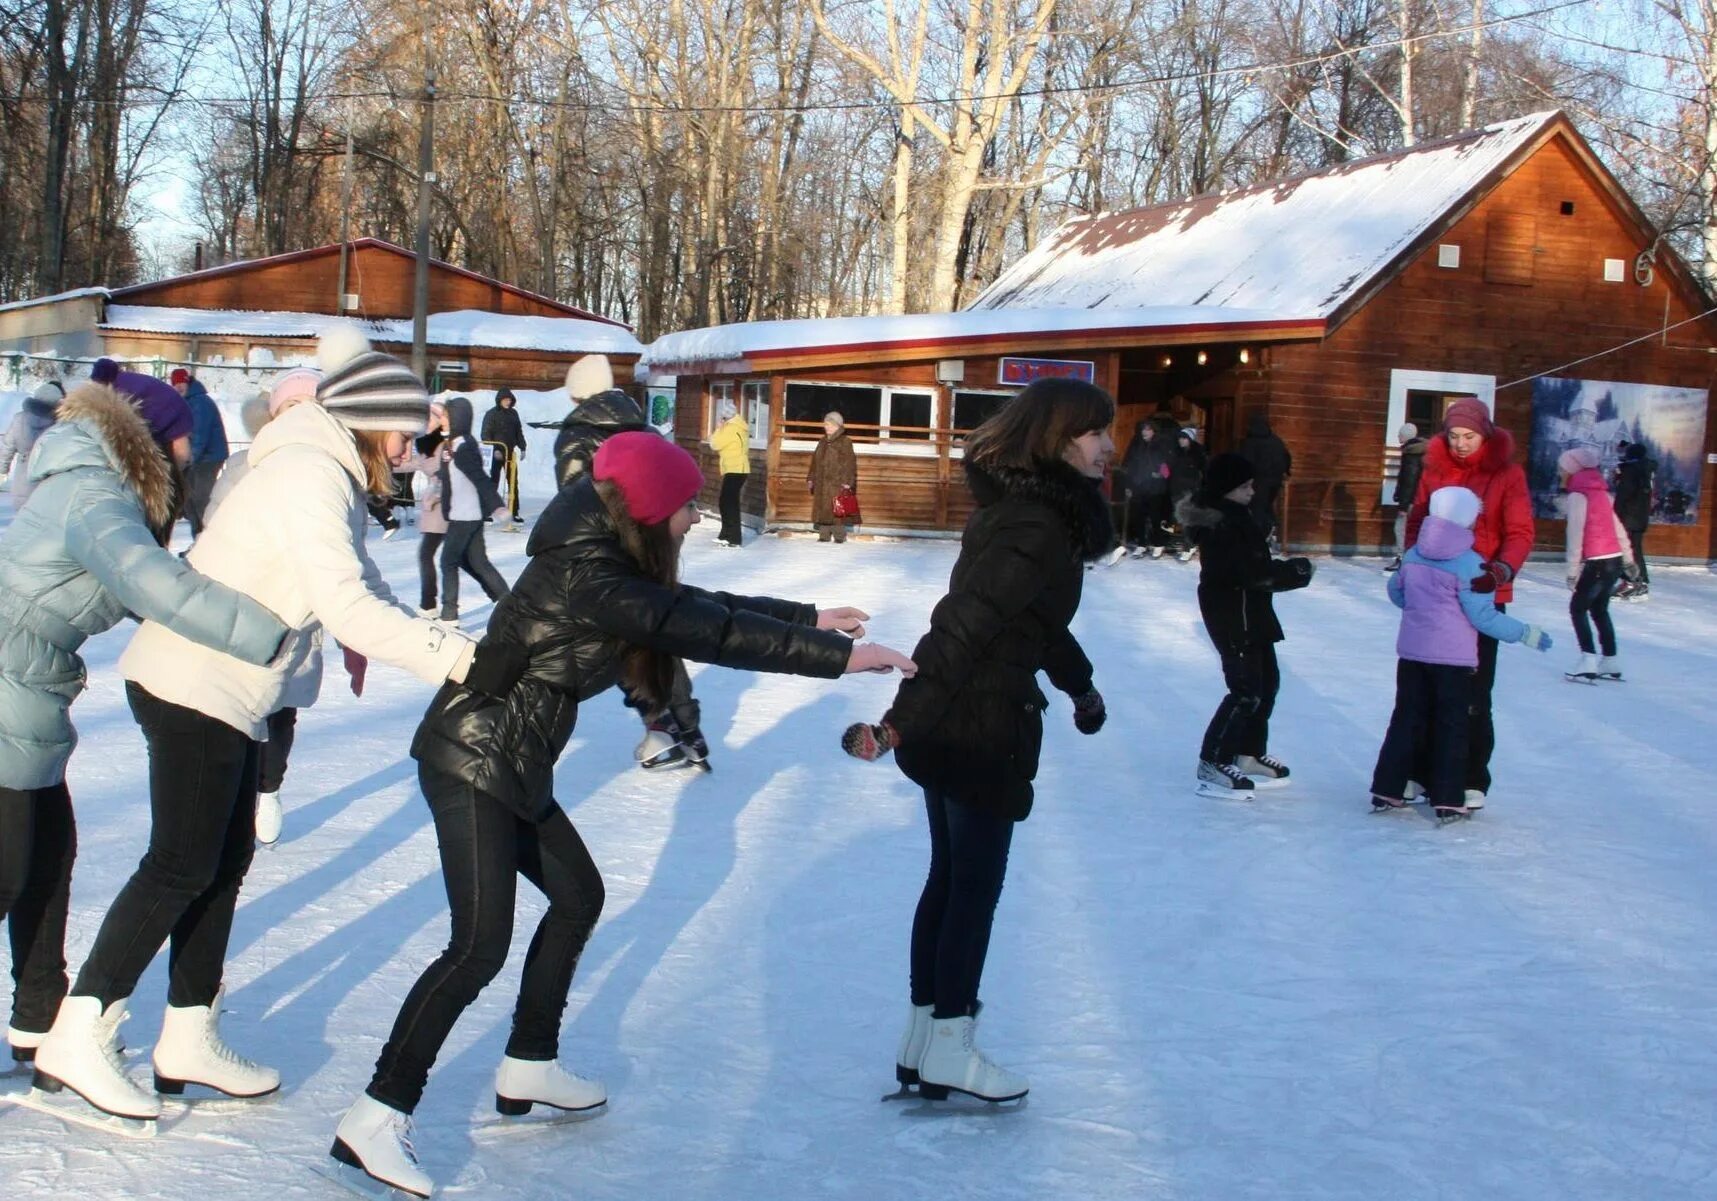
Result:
pixel 191 1051
pixel 375 1139
pixel 1610 668
pixel 1262 770
pixel 268 818
pixel 81 1053
pixel 521 1083
pixel 23 1043
pixel 1584 672
pixel 912 1041
pixel 1224 781
pixel 953 1062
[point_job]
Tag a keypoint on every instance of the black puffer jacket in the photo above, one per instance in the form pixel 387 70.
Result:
pixel 1271 460
pixel 1237 578
pixel 971 721
pixel 578 605
pixel 588 426
pixel 1412 468
pixel 1633 489
pixel 501 424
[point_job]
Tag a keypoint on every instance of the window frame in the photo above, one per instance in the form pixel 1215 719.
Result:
pixel 1403 381
pixel 905 447
pixel 957 448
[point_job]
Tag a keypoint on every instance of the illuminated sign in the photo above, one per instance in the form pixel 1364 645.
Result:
pixel 1023 371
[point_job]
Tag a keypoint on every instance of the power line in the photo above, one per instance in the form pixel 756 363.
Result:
pixel 1656 333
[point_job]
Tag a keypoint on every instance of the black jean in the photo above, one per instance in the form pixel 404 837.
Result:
pixel 38 844
pixel 1636 535
pixel 951 927
pixel 1241 723
pixel 1427 736
pixel 1590 604
pixel 732 485
pixel 202 834
pixel 272 755
pixel 464 548
pixel 485 847
pixel 428 552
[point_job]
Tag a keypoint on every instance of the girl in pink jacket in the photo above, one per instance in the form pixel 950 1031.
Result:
pixel 1598 553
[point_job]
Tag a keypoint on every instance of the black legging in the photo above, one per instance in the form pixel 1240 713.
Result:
pixel 271 758
pixel 732 485
pixel 951 927
pixel 1241 723
pixel 38 843
pixel 202 834
pixel 428 549
pixel 464 548
pixel 485 847
pixel 1592 592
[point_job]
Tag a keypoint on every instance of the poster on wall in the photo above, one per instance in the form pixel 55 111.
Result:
pixel 1606 416
pixel 661 413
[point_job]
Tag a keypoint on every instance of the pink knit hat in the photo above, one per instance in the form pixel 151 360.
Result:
pixel 655 476
pixel 291 387
pixel 1576 458
pixel 1469 413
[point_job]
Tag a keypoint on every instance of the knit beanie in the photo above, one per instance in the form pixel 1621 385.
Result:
pixel 179 376
pixel 588 375
pixel 291 387
pixel 655 476
pixel 1576 458
pixel 166 412
pixel 364 389
pixel 1406 433
pixel 1459 505
pixel 1225 473
pixel 1469 414
pixel 105 371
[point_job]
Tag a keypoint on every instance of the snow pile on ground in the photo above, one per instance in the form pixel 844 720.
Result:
pixel 1214 1001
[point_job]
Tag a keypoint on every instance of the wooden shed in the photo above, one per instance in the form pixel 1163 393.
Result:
pixel 1504 263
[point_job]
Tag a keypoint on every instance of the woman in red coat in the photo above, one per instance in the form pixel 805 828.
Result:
pixel 1473 453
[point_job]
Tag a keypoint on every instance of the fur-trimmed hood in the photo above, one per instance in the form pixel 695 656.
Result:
pixel 1056 485
pixel 1195 513
pixel 1496 453
pixel 97 427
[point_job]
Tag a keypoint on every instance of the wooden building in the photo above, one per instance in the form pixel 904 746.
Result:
pixel 1338 304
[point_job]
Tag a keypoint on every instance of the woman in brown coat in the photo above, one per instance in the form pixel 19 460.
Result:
pixel 833 467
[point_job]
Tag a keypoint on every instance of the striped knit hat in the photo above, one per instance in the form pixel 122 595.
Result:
pixel 364 389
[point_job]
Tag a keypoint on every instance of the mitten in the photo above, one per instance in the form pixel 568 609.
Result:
pixel 1089 714
pixel 496 667
pixel 1303 567
pixel 1535 638
pixel 867 742
pixel 1491 576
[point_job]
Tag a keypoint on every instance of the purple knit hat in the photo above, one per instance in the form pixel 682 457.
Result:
pixel 166 412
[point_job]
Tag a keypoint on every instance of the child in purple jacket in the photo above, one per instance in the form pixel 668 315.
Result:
pixel 1441 619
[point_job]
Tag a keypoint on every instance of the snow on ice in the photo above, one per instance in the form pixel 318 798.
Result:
pixel 1214 1001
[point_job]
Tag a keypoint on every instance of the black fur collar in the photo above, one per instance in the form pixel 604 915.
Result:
pixel 1076 499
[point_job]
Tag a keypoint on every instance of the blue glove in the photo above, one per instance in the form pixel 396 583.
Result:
pixel 1536 638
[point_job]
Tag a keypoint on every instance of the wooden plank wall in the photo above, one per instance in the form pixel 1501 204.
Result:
pixel 1529 296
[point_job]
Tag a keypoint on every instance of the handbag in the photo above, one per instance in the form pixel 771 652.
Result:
pixel 846 504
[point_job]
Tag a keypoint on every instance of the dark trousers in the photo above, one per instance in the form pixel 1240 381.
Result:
pixel 464 548
pixel 202 834
pixel 732 484
pixel 951 928
pixel 498 473
pixel 1241 723
pixel 684 707
pixel 1590 604
pixel 1636 535
pixel 428 551
pixel 485 847
pixel 1147 517
pixel 272 755
pixel 1428 731
pixel 831 529
pixel 38 843
pixel 199 483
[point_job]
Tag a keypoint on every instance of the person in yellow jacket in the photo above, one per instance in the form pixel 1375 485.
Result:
pixel 732 441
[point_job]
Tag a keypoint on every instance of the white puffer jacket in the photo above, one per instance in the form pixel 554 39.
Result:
pixel 291 536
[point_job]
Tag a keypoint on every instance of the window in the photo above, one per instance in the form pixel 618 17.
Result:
pixel 1422 397
pixel 875 414
pixel 755 394
pixel 972 409
pixel 719 390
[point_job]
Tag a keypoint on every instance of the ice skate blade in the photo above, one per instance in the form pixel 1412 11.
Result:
pixel 939 1092
pixel 1447 816
pixel 70 1107
pixel 345 1169
pixel 1220 792
pixel 1580 677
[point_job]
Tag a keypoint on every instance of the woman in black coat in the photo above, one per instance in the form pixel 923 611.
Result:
pixel 967 728
pixel 598 603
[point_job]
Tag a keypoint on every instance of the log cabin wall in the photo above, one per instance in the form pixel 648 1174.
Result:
pixel 1528 296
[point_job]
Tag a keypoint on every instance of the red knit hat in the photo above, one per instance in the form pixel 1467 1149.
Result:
pixel 654 475
pixel 179 376
pixel 1469 413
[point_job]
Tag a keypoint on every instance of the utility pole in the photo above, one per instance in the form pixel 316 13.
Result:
pixel 345 215
pixel 425 182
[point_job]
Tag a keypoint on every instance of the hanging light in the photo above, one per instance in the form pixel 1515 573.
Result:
pixel 1203 358
pixel 1168 360
pixel 1245 355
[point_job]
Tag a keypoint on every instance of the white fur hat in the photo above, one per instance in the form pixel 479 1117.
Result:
pixel 1459 505
pixel 588 375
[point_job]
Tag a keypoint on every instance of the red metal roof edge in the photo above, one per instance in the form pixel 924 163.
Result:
pixel 572 310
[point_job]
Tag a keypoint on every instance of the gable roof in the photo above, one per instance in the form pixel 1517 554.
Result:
pixel 137 291
pixel 1306 246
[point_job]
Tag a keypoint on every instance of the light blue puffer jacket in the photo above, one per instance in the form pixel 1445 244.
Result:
pixel 79 557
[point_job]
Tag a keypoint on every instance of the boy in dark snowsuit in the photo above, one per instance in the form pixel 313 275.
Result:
pixel 1237 582
pixel 1633 490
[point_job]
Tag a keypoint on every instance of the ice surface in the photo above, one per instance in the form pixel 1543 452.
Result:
pixel 1214 1001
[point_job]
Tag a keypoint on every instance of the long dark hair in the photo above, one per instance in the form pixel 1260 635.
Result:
pixel 1034 427
pixel 648 674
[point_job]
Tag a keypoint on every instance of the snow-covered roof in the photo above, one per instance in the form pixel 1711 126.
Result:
pixel 1302 246
pixel 754 340
pixel 74 294
pixel 464 327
